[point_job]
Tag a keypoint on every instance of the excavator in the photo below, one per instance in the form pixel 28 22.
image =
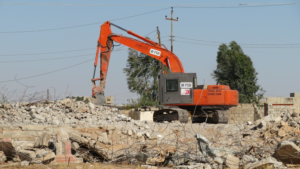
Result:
pixel 182 98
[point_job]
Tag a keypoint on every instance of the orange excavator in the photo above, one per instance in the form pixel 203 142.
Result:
pixel 185 100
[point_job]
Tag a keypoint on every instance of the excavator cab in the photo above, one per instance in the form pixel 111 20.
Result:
pixel 177 88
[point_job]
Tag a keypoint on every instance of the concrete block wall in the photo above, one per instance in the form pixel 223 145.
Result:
pixel 240 114
pixel 276 110
pixel 243 113
pixel 249 112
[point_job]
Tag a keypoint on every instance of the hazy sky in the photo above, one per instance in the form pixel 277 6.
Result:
pixel 273 32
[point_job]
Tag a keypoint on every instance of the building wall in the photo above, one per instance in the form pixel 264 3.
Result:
pixel 294 100
pixel 276 110
pixel 243 113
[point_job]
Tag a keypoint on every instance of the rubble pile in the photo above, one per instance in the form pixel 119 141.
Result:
pixel 75 132
pixel 64 112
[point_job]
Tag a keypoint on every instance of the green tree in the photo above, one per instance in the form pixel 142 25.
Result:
pixel 236 70
pixel 142 76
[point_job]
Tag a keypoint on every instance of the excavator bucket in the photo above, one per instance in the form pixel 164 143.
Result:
pixel 100 99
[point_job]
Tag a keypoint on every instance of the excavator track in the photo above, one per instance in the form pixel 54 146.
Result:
pixel 223 116
pixel 171 114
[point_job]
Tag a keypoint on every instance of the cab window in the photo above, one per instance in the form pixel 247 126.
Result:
pixel 172 85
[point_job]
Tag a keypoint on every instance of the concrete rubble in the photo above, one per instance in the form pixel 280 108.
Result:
pixel 75 132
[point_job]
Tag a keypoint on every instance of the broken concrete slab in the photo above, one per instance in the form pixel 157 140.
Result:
pixel 288 152
pixel 75 137
pixel 248 159
pixel 195 166
pixel 102 137
pixel 33 128
pixel 62 135
pixel 232 162
pixel 218 160
pixel 58 148
pixel 43 140
pixel 75 145
pixel 29 154
pixel 23 145
pixel 46 158
pixel 40 153
pixel 270 161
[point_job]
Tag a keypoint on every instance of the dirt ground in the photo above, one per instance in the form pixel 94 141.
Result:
pixel 71 166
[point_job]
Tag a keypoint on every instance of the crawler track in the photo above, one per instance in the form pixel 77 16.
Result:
pixel 171 114
pixel 182 115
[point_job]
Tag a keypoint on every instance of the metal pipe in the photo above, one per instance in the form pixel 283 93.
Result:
pixel 172 30
pixel 118 27
pixel 94 72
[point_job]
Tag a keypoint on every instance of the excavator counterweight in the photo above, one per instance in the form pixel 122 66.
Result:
pixel 188 100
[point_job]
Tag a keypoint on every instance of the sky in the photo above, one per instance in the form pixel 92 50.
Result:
pixel 31 42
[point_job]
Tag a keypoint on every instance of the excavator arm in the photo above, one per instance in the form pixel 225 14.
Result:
pixel 143 45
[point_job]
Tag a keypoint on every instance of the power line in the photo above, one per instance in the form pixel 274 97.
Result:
pixel 42 30
pixel 34 60
pixel 118 49
pixel 60 51
pixel 244 46
pixel 248 51
pixel 275 53
pixel 150 33
pixel 51 71
pixel 44 59
pixel 240 6
pixel 239 43
pixel 174 5
pixel 47 72
pixel 196 43
pixel 46 52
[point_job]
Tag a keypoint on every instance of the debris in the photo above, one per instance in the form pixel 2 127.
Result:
pixel 2 157
pixel 43 140
pixel 270 162
pixel 93 133
pixel 75 145
pixel 24 163
pixel 141 157
pixel 28 154
pixel 218 160
pixel 232 162
pixel 288 152
pixel 78 167
pixel 91 167
pixel 248 159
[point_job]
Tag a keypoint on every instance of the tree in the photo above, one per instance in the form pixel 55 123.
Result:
pixel 142 76
pixel 236 70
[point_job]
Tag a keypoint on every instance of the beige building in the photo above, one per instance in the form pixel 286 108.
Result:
pixel 293 100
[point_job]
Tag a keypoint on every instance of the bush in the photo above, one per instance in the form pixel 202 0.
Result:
pixel 79 99
pixel 137 103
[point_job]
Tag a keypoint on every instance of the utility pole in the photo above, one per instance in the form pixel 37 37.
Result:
pixel 48 98
pixel 171 28
pixel 159 43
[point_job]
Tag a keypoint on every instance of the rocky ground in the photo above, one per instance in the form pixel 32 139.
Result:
pixel 47 134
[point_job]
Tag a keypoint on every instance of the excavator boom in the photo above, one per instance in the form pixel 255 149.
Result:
pixel 144 45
